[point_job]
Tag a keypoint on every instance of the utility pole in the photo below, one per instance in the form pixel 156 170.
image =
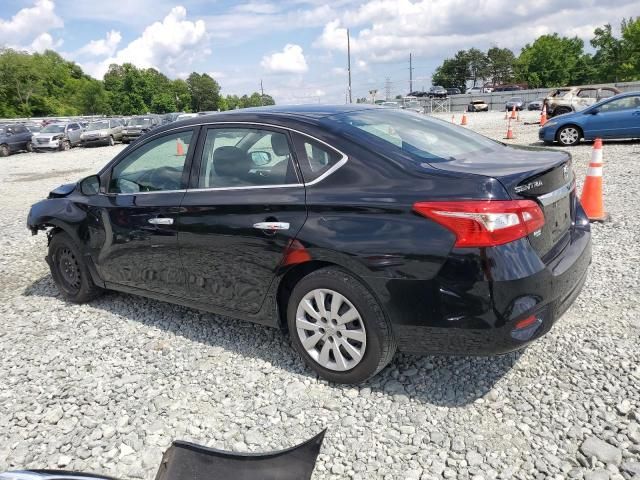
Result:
pixel 349 63
pixel 387 89
pixel 261 94
pixel 410 74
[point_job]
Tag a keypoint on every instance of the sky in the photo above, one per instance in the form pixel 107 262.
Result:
pixel 297 48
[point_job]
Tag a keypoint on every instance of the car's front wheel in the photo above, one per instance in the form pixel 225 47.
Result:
pixel 4 151
pixel 65 145
pixel 338 327
pixel 69 270
pixel 569 135
pixel 112 141
pixel 29 147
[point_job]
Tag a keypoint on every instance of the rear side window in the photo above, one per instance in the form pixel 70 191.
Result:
pixel 246 157
pixel 314 157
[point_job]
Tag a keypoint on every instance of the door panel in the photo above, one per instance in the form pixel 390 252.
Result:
pixel 139 215
pixel 245 176
pixel 229 263
pixel 619 118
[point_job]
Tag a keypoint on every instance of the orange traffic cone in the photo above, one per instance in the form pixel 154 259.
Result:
pixel 509 132
pixel 464 117
pixel 591 198
pixel 513 113
pixel 543 116
pixel 179 149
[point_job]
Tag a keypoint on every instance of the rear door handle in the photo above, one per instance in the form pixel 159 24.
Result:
pixel 271 226
pixel 161 221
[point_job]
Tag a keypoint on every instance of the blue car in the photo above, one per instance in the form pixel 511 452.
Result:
pixel 616 117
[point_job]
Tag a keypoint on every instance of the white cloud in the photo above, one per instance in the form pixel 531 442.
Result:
pixel 28 28
pixel 388 30
pixel 256 7
pixel 104 47
pixel 290 60
pixel 168 46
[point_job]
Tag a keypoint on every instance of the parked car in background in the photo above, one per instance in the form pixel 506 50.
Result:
pixel 507 88
pixel 418 94
pixel 437 92
pixel 478 106
pixel 617 117
pixel 102 132
pixel 517 102
pixel 184 116
pixel 453 91
pixel 14 138
pixel 574 99
pixel 331 222
pixel 139 125
pixel 170 117
pixel 535 104
pixel 57 136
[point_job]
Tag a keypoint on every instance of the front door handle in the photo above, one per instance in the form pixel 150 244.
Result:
pixel 271 226
pixel 161 221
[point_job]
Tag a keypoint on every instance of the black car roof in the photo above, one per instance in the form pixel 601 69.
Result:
pixel 272 113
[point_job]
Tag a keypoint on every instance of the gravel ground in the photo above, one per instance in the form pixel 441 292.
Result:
pixel 105 387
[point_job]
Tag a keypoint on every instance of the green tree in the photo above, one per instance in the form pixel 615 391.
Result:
pixel 630 68
pixel 93 98
pixel 205 92
pixel 454 72
pixel 608 57
pixel 551 61
pixel 500 66
pixel 478 65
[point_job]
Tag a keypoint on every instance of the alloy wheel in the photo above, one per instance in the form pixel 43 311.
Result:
pixel 569 136
pixel 331 330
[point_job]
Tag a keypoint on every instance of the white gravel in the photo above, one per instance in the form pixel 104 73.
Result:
pixel 105 387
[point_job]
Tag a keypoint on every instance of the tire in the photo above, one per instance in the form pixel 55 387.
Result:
pixel 65 145
pixel 569 135
pixel 472 108
pixel 29 147
pixel 368 348
pixel 69 271
pixel 4 151
pixel 112 142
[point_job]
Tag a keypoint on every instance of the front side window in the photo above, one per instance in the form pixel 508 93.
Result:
pixel 245 157
pixel 153 167
pixel 626 103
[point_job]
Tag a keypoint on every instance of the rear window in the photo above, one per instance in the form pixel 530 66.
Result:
pixel 414 135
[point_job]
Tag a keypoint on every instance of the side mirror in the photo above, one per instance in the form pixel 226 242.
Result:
pixel 90 185
pixel 260 158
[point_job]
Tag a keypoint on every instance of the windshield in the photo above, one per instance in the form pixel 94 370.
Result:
pixel 98 125
pixel 422 138
pixel 139 122
pixel 53 129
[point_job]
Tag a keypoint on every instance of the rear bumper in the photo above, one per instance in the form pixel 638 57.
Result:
pixel 474 304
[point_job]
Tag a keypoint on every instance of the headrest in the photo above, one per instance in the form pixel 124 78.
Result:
pixel 279 144
pixel 231 162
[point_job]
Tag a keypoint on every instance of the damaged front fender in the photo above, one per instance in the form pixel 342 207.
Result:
pixel 54 212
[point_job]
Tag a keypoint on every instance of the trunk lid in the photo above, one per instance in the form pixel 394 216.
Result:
pixel 542 175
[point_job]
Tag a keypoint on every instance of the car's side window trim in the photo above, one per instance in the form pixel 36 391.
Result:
pixel 105 177
pixel 199 130
pixel 197 164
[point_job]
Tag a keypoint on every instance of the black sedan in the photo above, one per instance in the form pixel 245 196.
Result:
pixel 360 230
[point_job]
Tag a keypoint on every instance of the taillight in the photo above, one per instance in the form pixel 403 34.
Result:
pixel 485 223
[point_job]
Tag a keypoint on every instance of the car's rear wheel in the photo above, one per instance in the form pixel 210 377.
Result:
pixel 338 327
pixel 69 270
pixel 4 151
pixel 29 147
pixel 112 142
pixel 562 111
pixel 569 135
pixel 66 145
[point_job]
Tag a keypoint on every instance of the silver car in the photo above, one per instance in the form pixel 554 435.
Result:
pixel 102 132
pixel 517 102
pixel 57 136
